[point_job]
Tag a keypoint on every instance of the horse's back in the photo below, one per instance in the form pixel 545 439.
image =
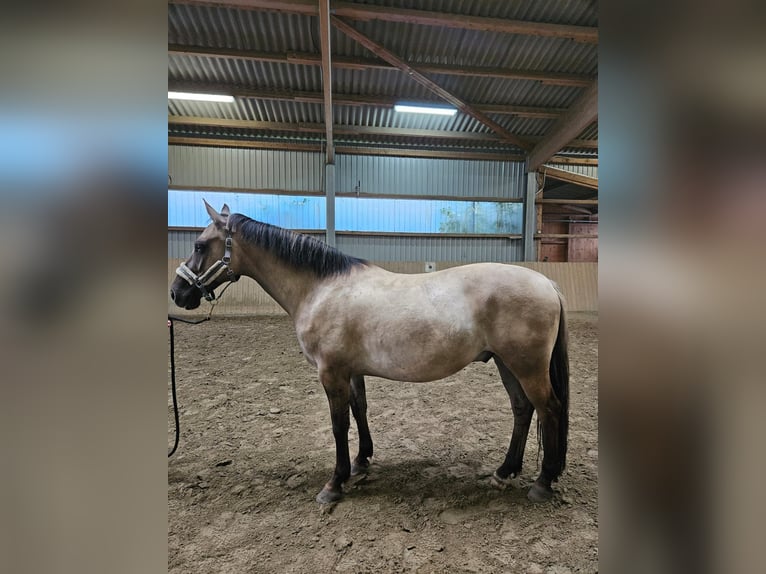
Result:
pixel 513 285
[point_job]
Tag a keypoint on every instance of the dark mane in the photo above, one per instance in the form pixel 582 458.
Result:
pixel 301 251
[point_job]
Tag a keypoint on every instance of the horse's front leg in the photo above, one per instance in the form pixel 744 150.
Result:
pixel 359 409
pixel 337 388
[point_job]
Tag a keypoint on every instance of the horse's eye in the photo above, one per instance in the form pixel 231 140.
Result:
pixel 199 247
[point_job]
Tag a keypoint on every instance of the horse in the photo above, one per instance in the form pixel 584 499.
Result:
pixel 354 319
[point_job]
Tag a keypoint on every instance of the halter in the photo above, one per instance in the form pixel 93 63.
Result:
pixel 202 282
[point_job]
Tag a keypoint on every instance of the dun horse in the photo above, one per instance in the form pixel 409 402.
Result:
pixel 354 319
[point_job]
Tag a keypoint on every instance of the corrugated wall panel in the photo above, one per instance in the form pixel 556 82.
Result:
pixel 180 243
pixel 403 175
pixel 302 171
pixel 389 248
pixel 244 169
pixel 466 250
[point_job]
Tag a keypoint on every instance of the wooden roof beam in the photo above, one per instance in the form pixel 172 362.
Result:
pixel 305 7
pixel 352 99
pixel 344 150
pixel 567 201
pixel 570 177
pixel 306 127
pixel 582 113
pixel 248 144
pixel 324 34
pixel 310 59
pixel 367 12
pixel 337 128
pixel 394 60
pixel 464 22
pixel 361 150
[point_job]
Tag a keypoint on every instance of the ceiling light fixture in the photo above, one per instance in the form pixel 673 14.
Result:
pixel 200 97
pixel 425 110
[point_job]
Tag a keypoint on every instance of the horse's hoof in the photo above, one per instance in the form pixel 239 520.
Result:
pixel 328 496
pixel 359 469
pixel 501 483
pixel 539 493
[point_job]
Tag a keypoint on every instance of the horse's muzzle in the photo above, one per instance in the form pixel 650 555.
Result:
pixel 186 298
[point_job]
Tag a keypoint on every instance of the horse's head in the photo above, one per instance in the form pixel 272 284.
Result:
pixel 208 266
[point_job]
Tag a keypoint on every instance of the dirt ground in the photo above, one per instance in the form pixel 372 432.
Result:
pixel 256 447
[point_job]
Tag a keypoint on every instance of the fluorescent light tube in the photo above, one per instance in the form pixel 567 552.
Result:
pixel 200 97
pixel 425 110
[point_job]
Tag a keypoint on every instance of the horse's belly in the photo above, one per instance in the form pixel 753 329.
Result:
pixel 421 360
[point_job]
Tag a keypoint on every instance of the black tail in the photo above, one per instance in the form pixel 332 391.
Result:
pixel 559 373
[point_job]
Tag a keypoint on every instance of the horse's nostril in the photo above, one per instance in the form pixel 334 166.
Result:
pixel 172 295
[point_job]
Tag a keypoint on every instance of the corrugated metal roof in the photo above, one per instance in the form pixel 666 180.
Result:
pixel 282 33
pixel 241 29
pixel 243 72
pixel 434 45
pixel 574 12
pixel 589 133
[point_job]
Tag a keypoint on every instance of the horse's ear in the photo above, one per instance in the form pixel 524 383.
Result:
pixel 218 219
pixel 225 210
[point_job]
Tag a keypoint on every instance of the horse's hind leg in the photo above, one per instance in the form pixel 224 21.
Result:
pixel 538 389
pixel 522 418
pixel 359 408
pixel 549 415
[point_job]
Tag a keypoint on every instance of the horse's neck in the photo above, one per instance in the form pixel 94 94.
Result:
pixel 286 284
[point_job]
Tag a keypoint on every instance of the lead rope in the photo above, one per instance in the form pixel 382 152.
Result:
pixel 171 319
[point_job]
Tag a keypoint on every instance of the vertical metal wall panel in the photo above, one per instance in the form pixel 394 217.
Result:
pixel 414 176
pixel 181 243
pixel 245 168
pixel 392 248
pixel 465 250
pixel 302 171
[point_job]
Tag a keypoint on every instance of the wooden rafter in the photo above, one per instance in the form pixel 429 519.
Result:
pixel 574 160
pixel 464 22
pixel 310 59
pixel 582 113
pixel 324 34
pixel 551 78
pixel 567 201
pixel 394 60
pixel 570 177
pixel 248 144
pixel 354 11
pixel 306 7
pixel 342 129
pixel 337 129
pixel 352 99
pixel 362 150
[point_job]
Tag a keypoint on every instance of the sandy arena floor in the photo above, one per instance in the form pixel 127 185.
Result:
pixel 256 447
